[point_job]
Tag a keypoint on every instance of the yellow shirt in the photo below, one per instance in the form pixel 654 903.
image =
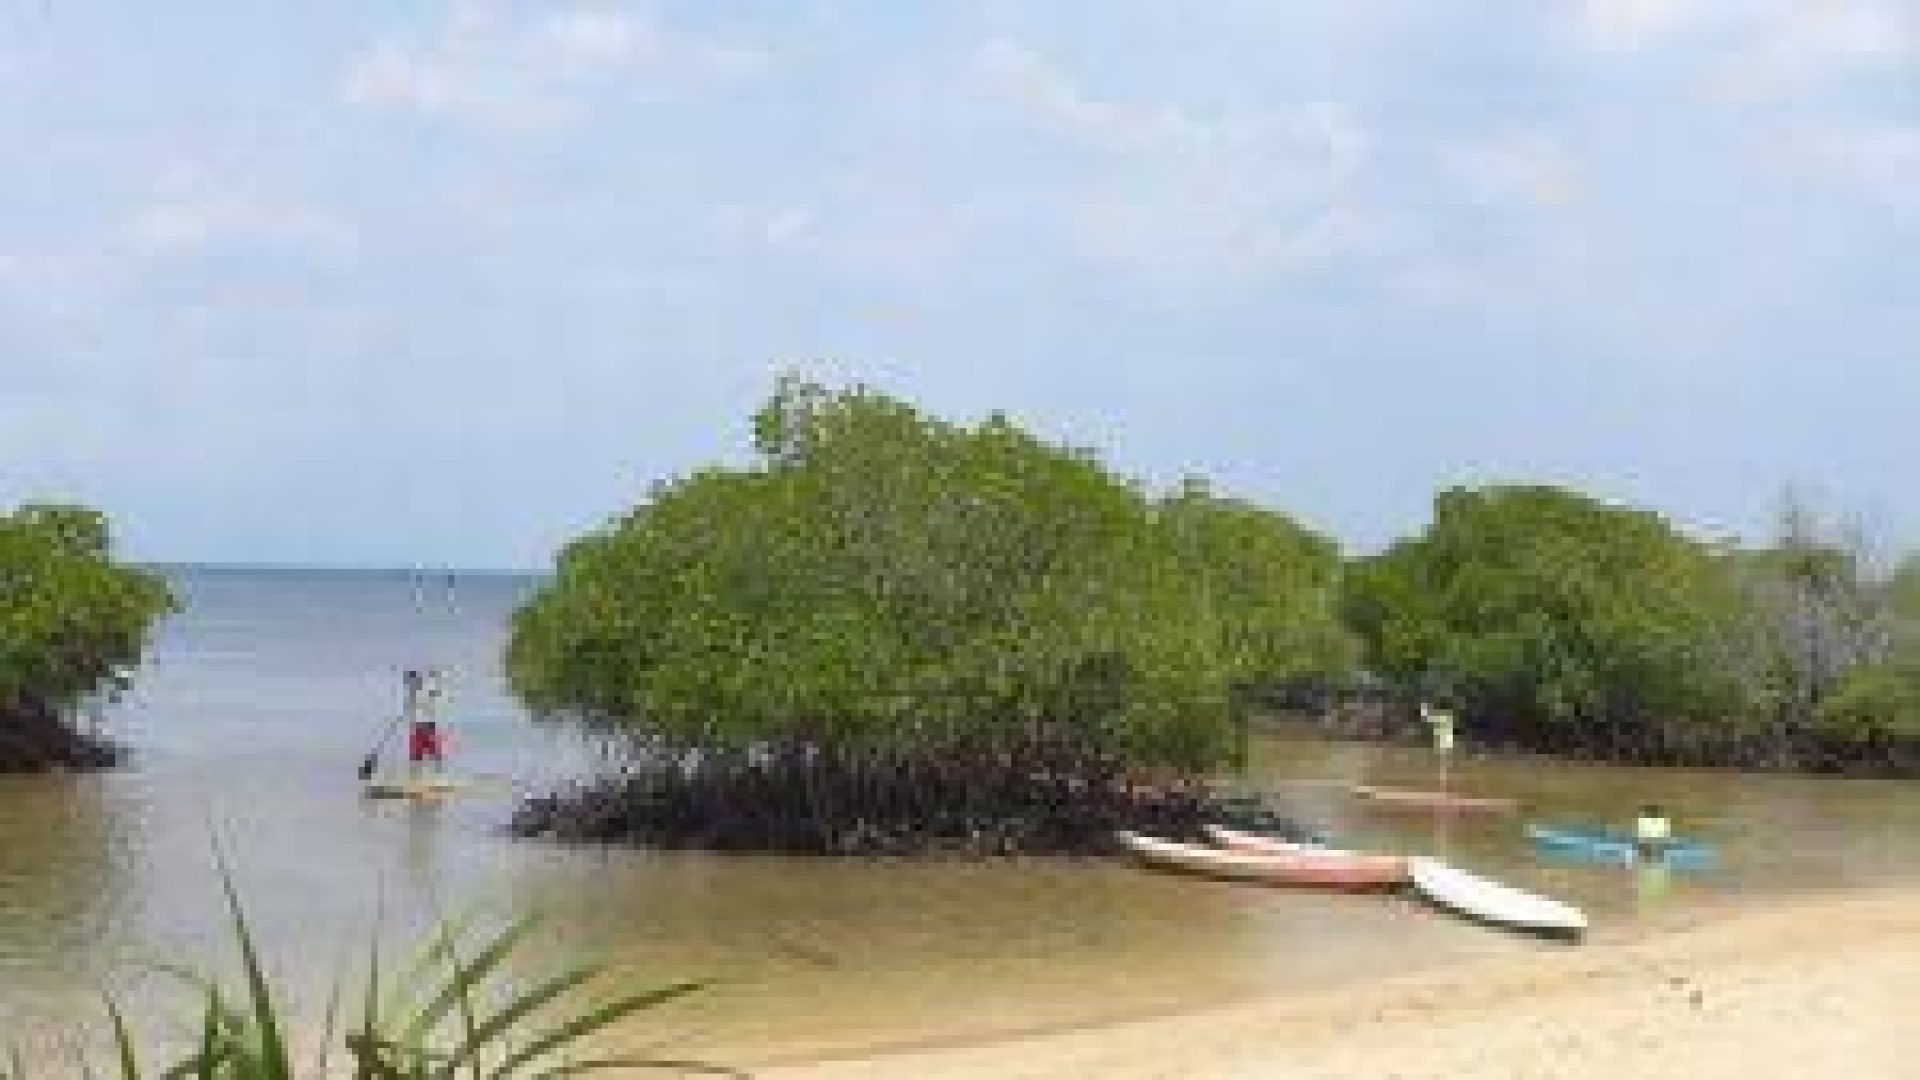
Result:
pixel 1649 829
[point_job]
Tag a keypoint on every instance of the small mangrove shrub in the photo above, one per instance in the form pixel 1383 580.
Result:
pixel 73 624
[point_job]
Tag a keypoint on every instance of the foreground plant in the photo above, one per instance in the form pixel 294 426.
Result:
pixel 453 1012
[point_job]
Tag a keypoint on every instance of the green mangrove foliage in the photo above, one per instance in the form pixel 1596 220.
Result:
pixel 1904 592
pixel 73 622
pixel 1554 621
pixel 892 630
pixel 1873 715
pixel 1563 624
pixel 1269 587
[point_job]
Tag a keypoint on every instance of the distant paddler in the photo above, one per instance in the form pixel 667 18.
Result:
pixel 422 693
pixel 426 742
pixel 1442 727
pixel 1652 832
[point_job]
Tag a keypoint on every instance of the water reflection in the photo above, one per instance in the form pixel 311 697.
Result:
pixel 1652 881
pixel 831 952
pixel 66 886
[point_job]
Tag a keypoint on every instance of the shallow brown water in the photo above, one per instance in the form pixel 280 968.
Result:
pixel 261 699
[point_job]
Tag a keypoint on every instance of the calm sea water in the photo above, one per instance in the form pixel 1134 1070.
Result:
pixel 262 696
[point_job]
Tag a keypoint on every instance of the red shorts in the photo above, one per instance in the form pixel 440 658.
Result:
pixel 423 742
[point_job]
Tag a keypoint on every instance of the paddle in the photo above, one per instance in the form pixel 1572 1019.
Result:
pixel 410 708
pixel 372 761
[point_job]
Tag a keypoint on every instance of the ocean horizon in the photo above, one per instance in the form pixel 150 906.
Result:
pixel 315 569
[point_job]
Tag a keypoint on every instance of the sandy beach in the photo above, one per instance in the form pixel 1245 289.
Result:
pixel 1826 986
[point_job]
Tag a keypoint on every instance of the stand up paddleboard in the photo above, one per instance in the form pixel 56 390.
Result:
pixel 406 788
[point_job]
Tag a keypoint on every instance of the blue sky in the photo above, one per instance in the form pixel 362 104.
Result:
pixel 423 284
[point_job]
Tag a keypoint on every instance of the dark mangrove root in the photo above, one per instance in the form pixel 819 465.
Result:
pixel 1029 800
pixel 34 739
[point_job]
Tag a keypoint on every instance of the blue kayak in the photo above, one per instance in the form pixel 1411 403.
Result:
pixel 1601 845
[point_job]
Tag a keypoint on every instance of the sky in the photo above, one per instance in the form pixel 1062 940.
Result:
pixel 444 284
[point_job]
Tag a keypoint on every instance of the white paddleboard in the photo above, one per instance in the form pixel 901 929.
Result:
pixel 1480 898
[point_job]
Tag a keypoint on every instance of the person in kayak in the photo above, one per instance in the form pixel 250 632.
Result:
pixel 426 745
pixel 1652 832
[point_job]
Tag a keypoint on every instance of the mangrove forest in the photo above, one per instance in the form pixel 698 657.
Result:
pixel 1562 624
pixel 891 632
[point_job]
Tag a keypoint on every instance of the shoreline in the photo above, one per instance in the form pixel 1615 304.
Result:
pixel 1817 985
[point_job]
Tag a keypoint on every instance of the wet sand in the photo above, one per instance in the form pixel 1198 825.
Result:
pixel 1826 986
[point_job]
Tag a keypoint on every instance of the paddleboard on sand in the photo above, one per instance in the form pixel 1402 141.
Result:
pixel 1491 902
pixel 1271 866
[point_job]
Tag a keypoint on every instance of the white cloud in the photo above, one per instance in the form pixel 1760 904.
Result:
pixel 490 67
pixel 65 283
pixel 1761 50
pixel 759 226
pixel 1794 48
pixel 586 38
pixel 1880 162
pixel 787 225
pixel 191 223
pixel 1051 96
pixel 1634 24
pixel 1184 195
pixel 1530 167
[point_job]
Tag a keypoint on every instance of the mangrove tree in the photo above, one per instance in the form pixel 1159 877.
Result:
pixel 1555 622
pixel 73 624
pixel 893 632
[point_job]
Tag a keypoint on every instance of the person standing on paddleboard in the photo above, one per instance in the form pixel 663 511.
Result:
pixel 1441 726
pixel 426 743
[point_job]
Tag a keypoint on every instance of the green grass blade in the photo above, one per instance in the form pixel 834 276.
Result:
pixel 212 1049
pixel 466 1010
pixel 370 1008
pixel 463 977
pixel 572 1031
pixel 225 1023
pixel 372 1059
pixel 273 1061
pixel 375 1055
pixel 517 1011
pixel 206 1062
pixel 420 970
pixel 330 1018
pixel 123 1042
